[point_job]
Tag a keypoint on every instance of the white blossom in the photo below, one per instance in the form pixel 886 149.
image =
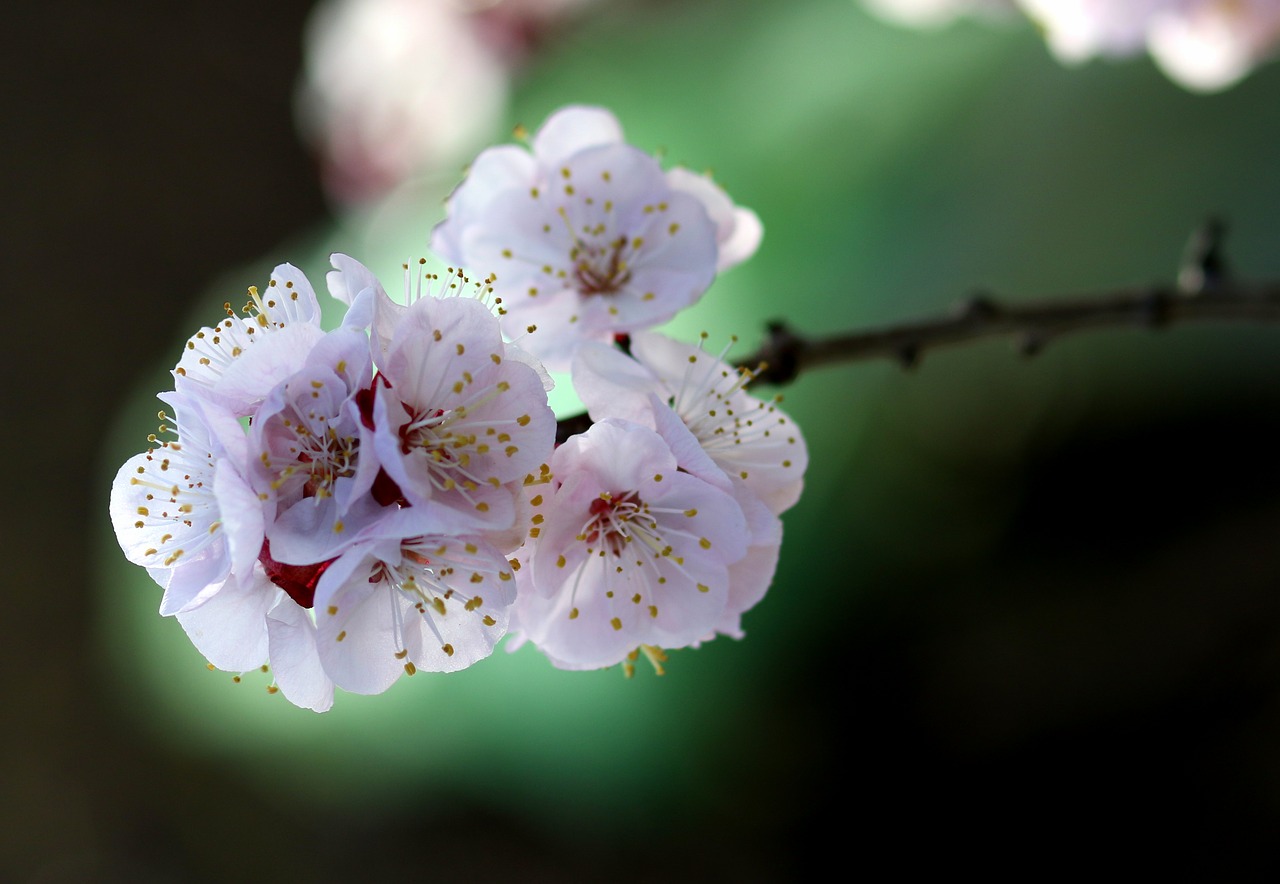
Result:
pixel 458 425
pixel 376 470
pixel 587 235
pixel 718 432
pixel 455 421
pixel 185 511
pixel 251 623
pixel 312 454
pixel 753 441
pixel 182 509
pixel 1203 45
pixel 398 605
pixel 625 552
pixel 236 363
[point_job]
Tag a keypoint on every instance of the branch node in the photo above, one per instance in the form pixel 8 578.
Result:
pixel 1031 343
pixel 979 306
pixel 779 355
pixel 909 355
pixel 1157 308
pixel 1204 266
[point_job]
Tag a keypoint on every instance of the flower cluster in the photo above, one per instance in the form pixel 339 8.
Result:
pixel 345 506
pixel 1204 45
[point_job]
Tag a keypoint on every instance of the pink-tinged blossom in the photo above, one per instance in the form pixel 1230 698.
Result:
pixel 236 363
pixel 753 441
pixel 443 440
pixel 185 512
pixel 458 424
pixel 718 432
pixel 250 623
pixel 625 552
pixel 312 462
pixel 397 605
pixel 183 509
pixel 587 235
pixel 456 421
pixel 378 475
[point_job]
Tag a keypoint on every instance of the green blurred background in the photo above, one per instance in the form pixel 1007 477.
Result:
pixel 1027 616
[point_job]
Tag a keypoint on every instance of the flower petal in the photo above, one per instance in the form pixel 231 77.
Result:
pixel 294 658
pixel 230 628
pixel 574 128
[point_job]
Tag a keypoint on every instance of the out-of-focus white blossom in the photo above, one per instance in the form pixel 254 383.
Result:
pixel 1212 44
pixel 1077 30
pixel 931 13
pixel 392 89
pixel 514 28
pixel 1203 45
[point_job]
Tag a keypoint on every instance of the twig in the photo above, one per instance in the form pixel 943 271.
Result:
pixel 1204 291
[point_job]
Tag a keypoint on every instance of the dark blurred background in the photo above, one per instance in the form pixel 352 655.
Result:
pixel 1027 616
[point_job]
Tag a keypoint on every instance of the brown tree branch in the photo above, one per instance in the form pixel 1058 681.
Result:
pixel 1204 291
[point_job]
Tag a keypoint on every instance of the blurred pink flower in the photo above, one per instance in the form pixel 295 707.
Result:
pixel 1213 44
pixel 393 89
pixel 1203 45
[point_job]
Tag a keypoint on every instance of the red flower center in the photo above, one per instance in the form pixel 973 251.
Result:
pixel 299 581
